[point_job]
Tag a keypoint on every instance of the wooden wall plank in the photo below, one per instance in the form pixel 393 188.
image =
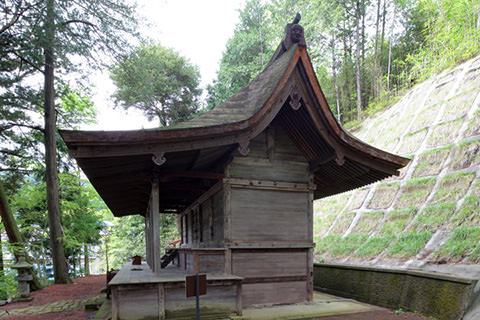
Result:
pixel 269 263
pixel 272 156
pixel 269 215
pixel 273 293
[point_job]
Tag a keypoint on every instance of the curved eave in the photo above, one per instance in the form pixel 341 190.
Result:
pixel 340 163
pixel 261 111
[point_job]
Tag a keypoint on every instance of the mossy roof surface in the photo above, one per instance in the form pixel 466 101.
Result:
pixel 248 101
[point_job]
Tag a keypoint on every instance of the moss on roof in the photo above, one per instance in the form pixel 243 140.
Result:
pixel 248 101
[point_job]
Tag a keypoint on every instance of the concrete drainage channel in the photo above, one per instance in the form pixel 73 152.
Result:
pixel 441 295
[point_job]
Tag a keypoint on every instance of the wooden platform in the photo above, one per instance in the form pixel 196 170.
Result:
pixel 138 293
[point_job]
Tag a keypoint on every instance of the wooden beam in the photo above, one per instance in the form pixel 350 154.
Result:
pixel 183 187
pixel 315 164
pixel 190 174
pixel 268 184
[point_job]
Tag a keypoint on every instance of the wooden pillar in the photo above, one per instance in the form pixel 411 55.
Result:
pixel 155 228
pixel 148 238
pixel 310 251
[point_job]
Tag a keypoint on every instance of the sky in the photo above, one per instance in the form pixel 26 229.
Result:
pixel 197 29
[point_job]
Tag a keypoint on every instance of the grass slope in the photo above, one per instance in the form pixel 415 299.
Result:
pixel 437 125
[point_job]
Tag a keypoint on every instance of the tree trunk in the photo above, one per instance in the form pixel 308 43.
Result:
pixel 56 235
pixel 375 72
pixel 357 40
pixel 390 51
pixel 86 261
pixel 13 234
pixel 382 38
pixel 2 267
pixel 362 39
pixel 347 92
pixel 334 71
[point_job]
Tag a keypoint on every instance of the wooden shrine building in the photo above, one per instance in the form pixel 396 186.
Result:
pixel 243 178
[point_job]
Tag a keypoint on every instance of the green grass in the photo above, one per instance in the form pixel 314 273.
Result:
pixel 323 223
pixel 425 118
pixel 453 187
pixel 468 214
pixel 358 198
pixel 431 162
pixel 322 244
pixel 444 133
pixel 476 188
pixel 345 246
pixel 465 155
pixel 462 242
pixel 474 125
pixel 408 244
pixel 330 204
pixel 367 223
pixel 459 105
pixel 383 196
pixel 433 217
pixel 374 246
pixel 415 192
pixel 396 221
pixel 412 141
pixel 343 222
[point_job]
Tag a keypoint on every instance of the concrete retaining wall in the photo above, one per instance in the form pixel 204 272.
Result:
pixel 438 295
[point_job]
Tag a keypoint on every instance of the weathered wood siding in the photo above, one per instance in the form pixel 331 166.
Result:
pixel 202 225
pixel 269 263
pixel 264 215
pixel 219 302
pixel 272 156
pixel 273 293
pixel 268 220
pixel 272 275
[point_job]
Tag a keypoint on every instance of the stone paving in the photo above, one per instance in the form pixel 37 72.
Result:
pixel 58 306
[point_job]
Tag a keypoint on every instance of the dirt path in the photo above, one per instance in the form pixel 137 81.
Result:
pixel 58 301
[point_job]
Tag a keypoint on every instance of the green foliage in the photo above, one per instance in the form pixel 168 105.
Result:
pixel 345 246
pixel 374 246
pixel 433 217
pixel 126 237
pixel 157 81
pixel 408 244
pixel 245 55
pixel 342 223
pixel 453 186
pixel 451 35
pixel 468 214
pixel 82 214
pixel 462 242
pixel 367 223
pixel 8 284
pixel 396 221
pixel 415 192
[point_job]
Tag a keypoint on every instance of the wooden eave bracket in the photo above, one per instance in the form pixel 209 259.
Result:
pixel 340 157
pixel 159 158
pixel 243 147
pixel 295 98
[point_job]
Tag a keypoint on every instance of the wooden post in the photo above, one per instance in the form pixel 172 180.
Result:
pixel 155 228
pixel 310 251
pixel 161 301
pixel 148 243
pixel 115 306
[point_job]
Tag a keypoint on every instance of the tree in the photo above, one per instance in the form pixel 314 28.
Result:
pixel 54 34
pixel 13 232
pixel 245 54
pixel 157 81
